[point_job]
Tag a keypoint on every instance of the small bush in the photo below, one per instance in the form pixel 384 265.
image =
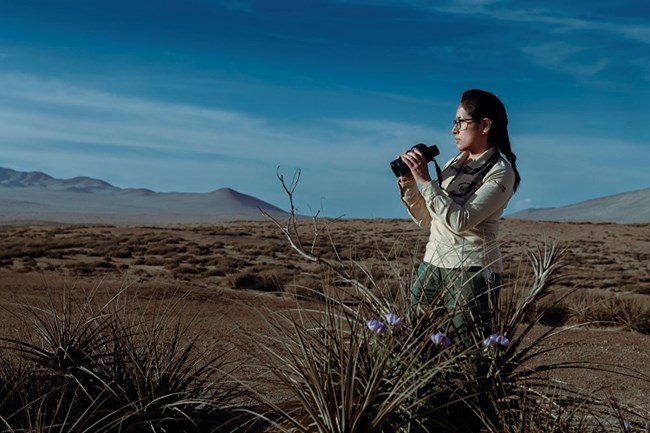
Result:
pixel 47 266
pixel 214 273
pixel 105 265
pixel 185 271
pixel 154 261
pixel 101 369
pixel 255 281
pixel 80 268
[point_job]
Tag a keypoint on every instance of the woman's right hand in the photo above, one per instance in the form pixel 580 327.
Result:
pixel 416 161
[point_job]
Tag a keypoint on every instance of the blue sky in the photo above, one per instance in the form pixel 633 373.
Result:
pixel 196 95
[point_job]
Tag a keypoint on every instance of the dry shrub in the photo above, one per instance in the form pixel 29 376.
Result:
pixel 153 261
pixel 260 281
pixel 142 273
pixel 171 263
pixel 201 250
pixel 188 270
pixel 29 262
pixel 105 265
pixel 96 367
pixel 629 311
pixel 217 245
pixel 193 260
pixel 47 266
pixel 213 273
pixel 240 233
pixel 226 262
pixel 119 252
pixel 166 250
pixel 253 251
pixel 80 268
pixel 186 257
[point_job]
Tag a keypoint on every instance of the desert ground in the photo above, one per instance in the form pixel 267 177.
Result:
pixel 227 277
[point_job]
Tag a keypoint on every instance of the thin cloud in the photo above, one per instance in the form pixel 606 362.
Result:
pixel 637 32
pixel 558 22
pixel 563 57
pixel 39 113
pixel 40 109
pixel 577 56
pixel 552 20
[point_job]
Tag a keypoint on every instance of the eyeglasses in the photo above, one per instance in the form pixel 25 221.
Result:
pixel 458 124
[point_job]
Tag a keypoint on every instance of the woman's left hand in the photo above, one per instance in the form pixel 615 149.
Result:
pixel 416 161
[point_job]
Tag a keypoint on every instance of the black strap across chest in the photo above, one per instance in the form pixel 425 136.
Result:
pixel 479 173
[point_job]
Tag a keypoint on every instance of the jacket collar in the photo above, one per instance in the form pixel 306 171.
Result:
pixel 475 163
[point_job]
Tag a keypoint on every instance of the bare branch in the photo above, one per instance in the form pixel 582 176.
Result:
pixel 291 232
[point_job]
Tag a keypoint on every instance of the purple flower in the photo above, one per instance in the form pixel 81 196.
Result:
pixel 497 340
pixel 627 425
pixel 393 319
pixel 441 339
pixel 376 325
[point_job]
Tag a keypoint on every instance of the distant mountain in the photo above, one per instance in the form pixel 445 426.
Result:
pixel 21 179
pixel 36 196
pixel 625 208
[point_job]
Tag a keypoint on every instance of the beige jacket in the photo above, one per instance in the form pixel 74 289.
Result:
pixel 463 219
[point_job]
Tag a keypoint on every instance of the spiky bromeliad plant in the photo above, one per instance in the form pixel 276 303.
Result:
pixel 348 374
pixel 92 367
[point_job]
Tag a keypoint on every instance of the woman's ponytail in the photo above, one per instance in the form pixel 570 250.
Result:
pixel 480 105
pixel 506 150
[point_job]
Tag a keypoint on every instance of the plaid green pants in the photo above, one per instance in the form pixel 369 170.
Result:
pixel 470 295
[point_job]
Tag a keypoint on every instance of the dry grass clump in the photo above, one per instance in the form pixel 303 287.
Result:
pixel 595 308
pixel 263 281
pixel 628 311
pixel 94 366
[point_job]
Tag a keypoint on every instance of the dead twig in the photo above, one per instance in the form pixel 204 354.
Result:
pixel 291 232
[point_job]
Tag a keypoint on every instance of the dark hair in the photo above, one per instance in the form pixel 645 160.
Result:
pixel 480 105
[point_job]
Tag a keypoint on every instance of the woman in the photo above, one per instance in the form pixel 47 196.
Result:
pixel 462 263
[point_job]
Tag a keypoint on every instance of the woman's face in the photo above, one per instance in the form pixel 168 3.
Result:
pixel 470 136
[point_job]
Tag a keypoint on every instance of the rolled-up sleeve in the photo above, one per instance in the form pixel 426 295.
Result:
pixel 415 203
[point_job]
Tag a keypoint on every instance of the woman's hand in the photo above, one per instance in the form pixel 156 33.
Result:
pixel 416 161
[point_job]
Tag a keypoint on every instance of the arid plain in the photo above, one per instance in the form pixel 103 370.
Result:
pixel 228 276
